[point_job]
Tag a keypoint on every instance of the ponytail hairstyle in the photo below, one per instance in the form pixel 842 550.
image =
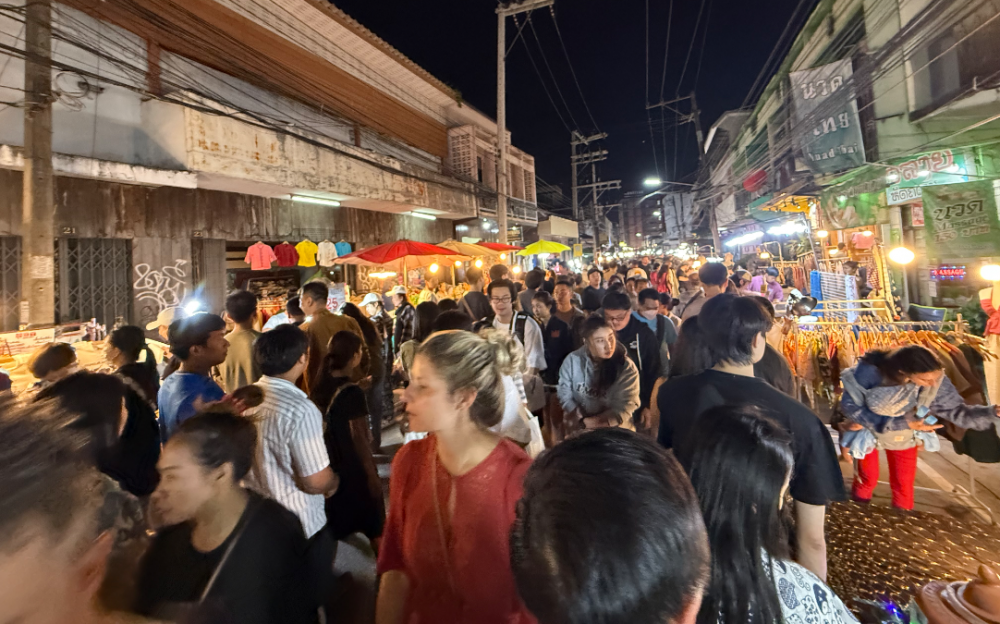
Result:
pixel 896 365
pixel 131 341
pixel 607 370
pixel 469 361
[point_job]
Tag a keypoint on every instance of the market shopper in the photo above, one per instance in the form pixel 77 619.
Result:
pixel 377 394
pixel 667 305
pixel 52 362
pixel 773 366
pixel 405 316
pixel 532 282
pixel 199 343
pixel 357 506
pixel 321 327
pixel 57 518
pixel 239 369
pixel 518 324
pixel 594 293
pixel 225 551
pixel 648 311
pixel 445 554
pixel 475 303
pixel 566 310
pixel 640 344
pixel 889 393
pixel 557 337
pixel 598 383
pixel 291 464
pixel 733 329
pixel 740 464
pixel 563 548
pixel 423 326
pixel 714 277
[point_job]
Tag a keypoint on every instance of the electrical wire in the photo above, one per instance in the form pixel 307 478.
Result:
pixel 562 44
pixel 545 87
pixel 694 38
pixel 555 82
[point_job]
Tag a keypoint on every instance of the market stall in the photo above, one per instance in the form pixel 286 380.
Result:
pixel 403 258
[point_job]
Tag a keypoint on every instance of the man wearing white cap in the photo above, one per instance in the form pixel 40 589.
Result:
pixel 162 326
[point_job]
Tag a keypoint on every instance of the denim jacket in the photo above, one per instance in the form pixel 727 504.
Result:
pixel 947 405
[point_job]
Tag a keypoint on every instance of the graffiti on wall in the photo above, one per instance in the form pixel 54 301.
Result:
pixel 158 289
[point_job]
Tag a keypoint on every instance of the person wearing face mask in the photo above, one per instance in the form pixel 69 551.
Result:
pixel 893 394
pixel 648 312
pixel 598 383
pixel 640 344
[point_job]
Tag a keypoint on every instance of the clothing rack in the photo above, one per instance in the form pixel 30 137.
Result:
pixel 968 495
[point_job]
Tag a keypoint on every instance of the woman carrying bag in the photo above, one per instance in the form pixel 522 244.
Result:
pixel 225 554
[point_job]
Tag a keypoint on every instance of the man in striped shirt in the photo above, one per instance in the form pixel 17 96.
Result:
pixel 292 465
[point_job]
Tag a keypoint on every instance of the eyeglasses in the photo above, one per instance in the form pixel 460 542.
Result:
pixel 500 299
pixel 615 319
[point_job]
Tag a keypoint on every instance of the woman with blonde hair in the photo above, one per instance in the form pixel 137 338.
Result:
pixel 445 555
pixel 518 423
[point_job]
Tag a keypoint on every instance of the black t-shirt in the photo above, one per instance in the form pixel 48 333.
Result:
pixel 478 303
pixel 593 298
pixel 265 580
pixel 816 477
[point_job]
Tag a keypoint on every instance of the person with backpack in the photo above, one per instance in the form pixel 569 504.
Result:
pixel 640 344
pixel 519 324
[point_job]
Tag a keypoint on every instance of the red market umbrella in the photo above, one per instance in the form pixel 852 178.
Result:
pixel 500 247
pixel 401 255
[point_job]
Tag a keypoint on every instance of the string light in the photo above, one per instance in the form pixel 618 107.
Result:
pixel 479 263
pixel 434 268
pixel 516 270
pixel 503 256
pixel 458 263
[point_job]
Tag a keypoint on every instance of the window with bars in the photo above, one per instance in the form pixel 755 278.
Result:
pixel 94 280
pixel 10 282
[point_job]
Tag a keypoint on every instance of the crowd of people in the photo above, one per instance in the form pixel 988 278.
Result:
pixel 620 446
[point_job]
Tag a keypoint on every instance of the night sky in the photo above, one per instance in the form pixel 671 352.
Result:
pixel 456 41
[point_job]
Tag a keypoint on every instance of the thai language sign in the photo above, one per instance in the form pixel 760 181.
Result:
pixel 26 341
pixel 826 111
pixel 961 220
pixel 907 177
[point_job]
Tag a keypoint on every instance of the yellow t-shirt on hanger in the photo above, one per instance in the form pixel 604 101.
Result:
pixel 307 253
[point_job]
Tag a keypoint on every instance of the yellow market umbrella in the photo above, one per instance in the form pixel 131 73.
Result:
pixel 543 247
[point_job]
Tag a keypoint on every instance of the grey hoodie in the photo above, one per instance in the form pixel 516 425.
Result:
pixel 578 375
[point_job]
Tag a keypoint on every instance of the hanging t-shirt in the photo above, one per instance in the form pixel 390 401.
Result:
pixel 343 248
pixel 860 240
pixel 286 254
pixel 307 253
pixel 260 256
pixel 327 253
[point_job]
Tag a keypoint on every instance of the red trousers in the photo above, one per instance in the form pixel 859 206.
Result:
pixel 902 474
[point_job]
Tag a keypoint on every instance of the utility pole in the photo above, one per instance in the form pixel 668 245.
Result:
pixel 38 209
pixel 505 10
pixel 590 157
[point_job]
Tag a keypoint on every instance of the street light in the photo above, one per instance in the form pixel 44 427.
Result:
pixel 903 256
pixel 652 182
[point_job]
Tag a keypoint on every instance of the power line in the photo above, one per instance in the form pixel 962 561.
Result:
pixel 545 87
pixel 694 38
pixel 555 82
pixel 666 53
pixel 572 71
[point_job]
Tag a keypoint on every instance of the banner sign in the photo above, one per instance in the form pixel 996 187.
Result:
pixel 577 250
pixel 855 203
pixel 824 102
pixel 961 220
pixel 27 341
pixel 936 168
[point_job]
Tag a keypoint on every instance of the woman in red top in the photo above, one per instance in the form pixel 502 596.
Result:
pixel 445 556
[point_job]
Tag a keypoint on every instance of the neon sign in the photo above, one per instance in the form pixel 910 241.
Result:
pixel 948 272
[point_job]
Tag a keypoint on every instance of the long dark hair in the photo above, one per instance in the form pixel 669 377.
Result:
pixel 367 327
pixel 343 346
pixel 690 354
pixel 738 461
pixel 896 365
pixel 427 313
pixel 607 370
pixel 131 341
pixel 97 401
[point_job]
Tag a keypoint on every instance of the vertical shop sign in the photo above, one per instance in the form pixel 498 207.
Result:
pixel 961 220
pixel 825 105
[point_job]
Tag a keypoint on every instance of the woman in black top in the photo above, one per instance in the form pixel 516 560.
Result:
pixel 140 440
pixel 557 336
pixel 375 393
pixel 226 554
pixel 358 505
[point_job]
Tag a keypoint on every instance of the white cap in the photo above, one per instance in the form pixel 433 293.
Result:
pixel 637 272
pixel 166 317
pixel 371 298
pixel 399 290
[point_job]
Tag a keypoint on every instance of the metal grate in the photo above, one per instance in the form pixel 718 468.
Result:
pixel 93 279
pixel 10 281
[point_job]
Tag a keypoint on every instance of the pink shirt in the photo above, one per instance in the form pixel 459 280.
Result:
pixel 260 257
